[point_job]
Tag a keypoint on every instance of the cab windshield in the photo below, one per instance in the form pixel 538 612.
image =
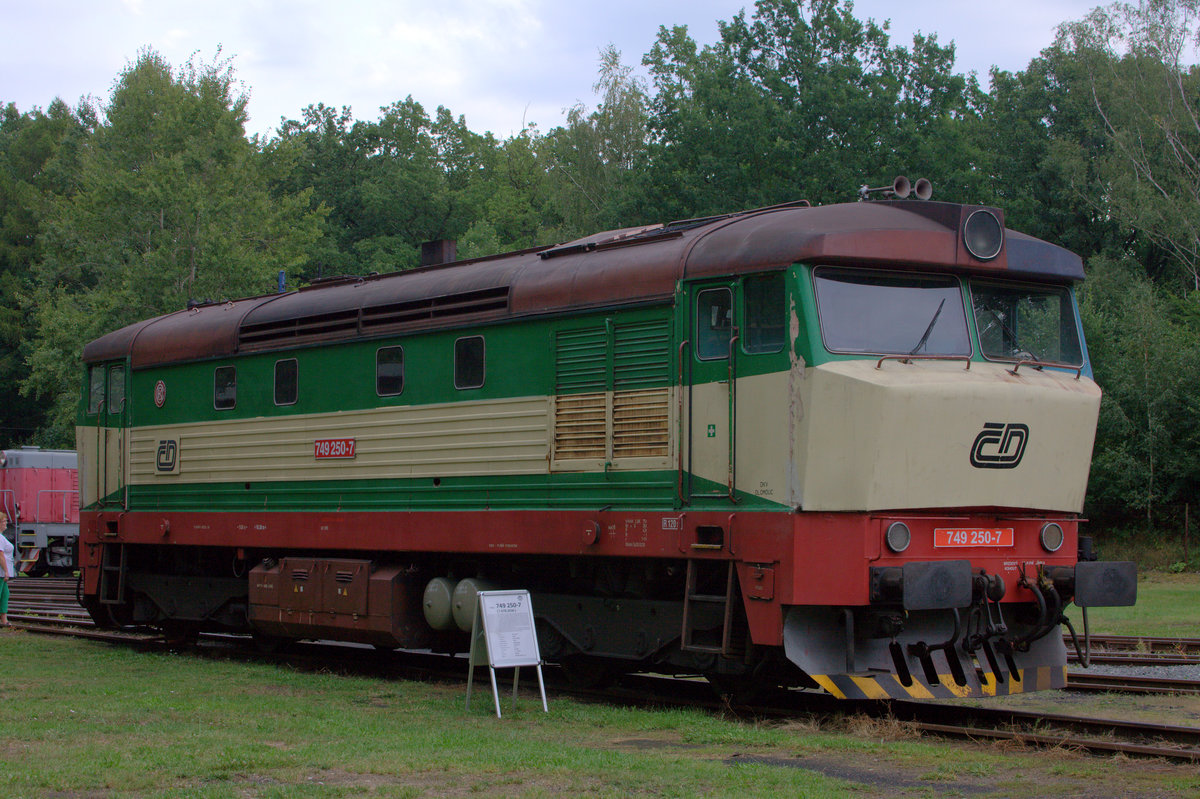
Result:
pixel 1026 323
pixel 890 313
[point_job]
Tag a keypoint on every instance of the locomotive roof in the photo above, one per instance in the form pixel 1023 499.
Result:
pixel 38 458
pixel 606 269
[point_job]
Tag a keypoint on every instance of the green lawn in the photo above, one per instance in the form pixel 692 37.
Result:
pixel 1167 605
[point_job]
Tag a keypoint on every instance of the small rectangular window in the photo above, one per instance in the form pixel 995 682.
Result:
pixel 95 389
pixel 714 323
pixel 468 362
pixel 225 387
pixel 389 371
pixel 116 390
pixel 285 382
pixel 764 314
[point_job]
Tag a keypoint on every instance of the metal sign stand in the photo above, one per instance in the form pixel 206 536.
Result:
pixel 504 621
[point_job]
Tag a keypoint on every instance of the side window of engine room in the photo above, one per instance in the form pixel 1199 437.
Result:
pixel 287 373
pixel 389 371
pixel 225 387
pixel 469 362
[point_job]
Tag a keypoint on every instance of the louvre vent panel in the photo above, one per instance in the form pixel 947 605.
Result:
pixel 612 392
pixel 298 331
pixel 580 357
pixel 375 320
pixel 642 423
pixel 403 314
pixel 581 426
pixel 642 355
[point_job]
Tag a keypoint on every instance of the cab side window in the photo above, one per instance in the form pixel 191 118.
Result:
pixel 116 389
pixel 95 389
pixel 714 323
pixel 765 313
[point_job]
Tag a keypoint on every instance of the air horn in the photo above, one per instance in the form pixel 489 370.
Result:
pixel 900 189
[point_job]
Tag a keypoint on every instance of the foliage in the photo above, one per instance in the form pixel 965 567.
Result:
pixel 1147 361
pixel 1146 98
pixel 38 161
pixel 593 160
pixel 800 100
pixel 171 205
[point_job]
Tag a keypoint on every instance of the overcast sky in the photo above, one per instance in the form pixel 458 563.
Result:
pixel 500 63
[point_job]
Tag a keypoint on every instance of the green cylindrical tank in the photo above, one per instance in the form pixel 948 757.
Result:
pixel 465 600
pixel 438 603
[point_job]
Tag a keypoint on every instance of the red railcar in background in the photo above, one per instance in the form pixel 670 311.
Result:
pixel 39 494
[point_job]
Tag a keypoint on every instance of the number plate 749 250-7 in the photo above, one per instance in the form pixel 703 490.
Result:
pixel 973 537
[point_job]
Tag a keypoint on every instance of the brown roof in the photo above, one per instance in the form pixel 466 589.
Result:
pixel 607 269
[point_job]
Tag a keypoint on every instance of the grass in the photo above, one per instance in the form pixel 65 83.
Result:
pixel 83 720
pixel 1167 605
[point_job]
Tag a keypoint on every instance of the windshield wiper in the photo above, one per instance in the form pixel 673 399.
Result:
pixel 1013 351
pixel 929 329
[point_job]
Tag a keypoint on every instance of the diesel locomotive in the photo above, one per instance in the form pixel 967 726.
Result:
pixel 840 446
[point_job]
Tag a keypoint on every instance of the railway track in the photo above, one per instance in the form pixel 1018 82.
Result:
pixel 1128 684
pixel 49 606
pixel 1137 650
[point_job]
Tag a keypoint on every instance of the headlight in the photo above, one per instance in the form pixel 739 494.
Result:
pixel 898 537
pixel 983 235
pixel 1052 537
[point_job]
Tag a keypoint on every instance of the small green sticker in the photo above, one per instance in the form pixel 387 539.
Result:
pixel 712 431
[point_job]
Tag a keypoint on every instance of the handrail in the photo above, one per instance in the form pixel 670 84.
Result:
pixel 679 424
pixel 8 498
pixel 737 334
pixel 1026 362
pixel 66 494
pixel 913 357
pixel 1040 365
pixel 101 450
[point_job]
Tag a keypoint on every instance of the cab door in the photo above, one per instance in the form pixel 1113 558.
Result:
pixel 108 456
pixel 711 390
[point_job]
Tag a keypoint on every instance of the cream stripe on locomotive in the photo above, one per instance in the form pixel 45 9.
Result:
pixel 493 437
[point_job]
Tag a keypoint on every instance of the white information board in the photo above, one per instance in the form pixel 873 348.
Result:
pixel 504 621
pixel 508 628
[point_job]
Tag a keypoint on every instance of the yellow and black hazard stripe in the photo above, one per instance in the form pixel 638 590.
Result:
pixel 888 686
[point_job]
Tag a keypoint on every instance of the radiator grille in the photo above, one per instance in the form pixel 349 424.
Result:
pixel 641 423
pixel 580 426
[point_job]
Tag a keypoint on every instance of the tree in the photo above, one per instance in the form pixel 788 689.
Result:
pixel 1146 355
pixel 593 159
pixel 172 204
pixel 38 161
pixel 802 100
pixel 1146 99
